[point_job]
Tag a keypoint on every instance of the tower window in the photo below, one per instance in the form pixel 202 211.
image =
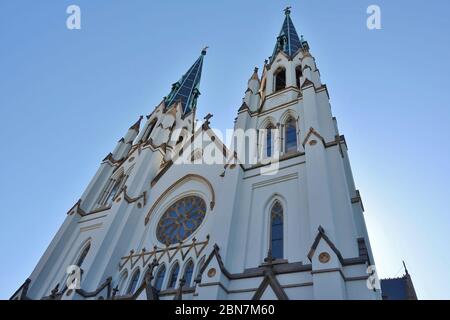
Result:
pixel 290 136
pixel 173 276
pixel 269 141
pixel 188 272
pixel 298 74
pixel 276 231
pixel 83 255
pixel 133 282
pixel 112 188
pixel 160 277
pixel 280 79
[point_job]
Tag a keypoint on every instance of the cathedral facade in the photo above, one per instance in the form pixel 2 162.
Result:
pixel 278 217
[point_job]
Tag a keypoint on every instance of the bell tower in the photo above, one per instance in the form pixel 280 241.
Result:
pixel 289 108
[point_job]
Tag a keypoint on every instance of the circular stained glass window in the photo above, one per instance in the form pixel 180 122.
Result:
pixel 181 219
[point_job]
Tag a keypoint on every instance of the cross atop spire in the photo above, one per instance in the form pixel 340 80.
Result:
pixel 288 40
pixel 186 90
pixel 287 11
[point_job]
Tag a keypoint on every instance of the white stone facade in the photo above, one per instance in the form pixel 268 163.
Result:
pixel 326 249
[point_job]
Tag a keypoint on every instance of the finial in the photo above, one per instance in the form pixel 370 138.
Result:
pixel 207 117
pixel 137 124
pixel 287 11
pixel 204 50
pixel 115 290
pixel 255 74
pixel 269 259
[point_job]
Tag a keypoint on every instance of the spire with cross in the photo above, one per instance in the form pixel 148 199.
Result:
pixel 288 40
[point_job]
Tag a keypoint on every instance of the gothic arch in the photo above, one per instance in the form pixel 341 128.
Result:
pixel 267 221
pixel 173 275
pixel 264 150
pixel 178 183
pixel 149 129
pixel 122 280
pixel 133 283
pixel 160 277
pixel 188 264
pixel 298 73
pixel 285 120
pixel 114 184
pixel 290 113
pixel 266 122
pixel 83 249
pixel 280 78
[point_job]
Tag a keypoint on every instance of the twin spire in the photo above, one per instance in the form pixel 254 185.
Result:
pixel 186 90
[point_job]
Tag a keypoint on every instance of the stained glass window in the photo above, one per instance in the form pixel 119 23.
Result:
pixel 83 255
pixel 160 277
pixel 291 136
pixel 181 219
pixel 173 276
pixel 117 184
pixel 276 231
pixel 269 141
pixel 133 282
pixel 188 271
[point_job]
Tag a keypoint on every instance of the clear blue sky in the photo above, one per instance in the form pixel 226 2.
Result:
pixel 66 97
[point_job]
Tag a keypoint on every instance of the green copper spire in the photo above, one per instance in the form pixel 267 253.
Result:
pixel 288 40
pixel 186 90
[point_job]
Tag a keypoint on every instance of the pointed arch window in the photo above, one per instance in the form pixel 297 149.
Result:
pixel 276 230
pixel 298 74
pixel 112 188
pixel 133 282
pixel 83 255
pixel 160 277
pixel 269 140
pixel 280 79
pixel 149 130
pixel 188 272
pixel 290 136
pixel 122 280
pixel 173 276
